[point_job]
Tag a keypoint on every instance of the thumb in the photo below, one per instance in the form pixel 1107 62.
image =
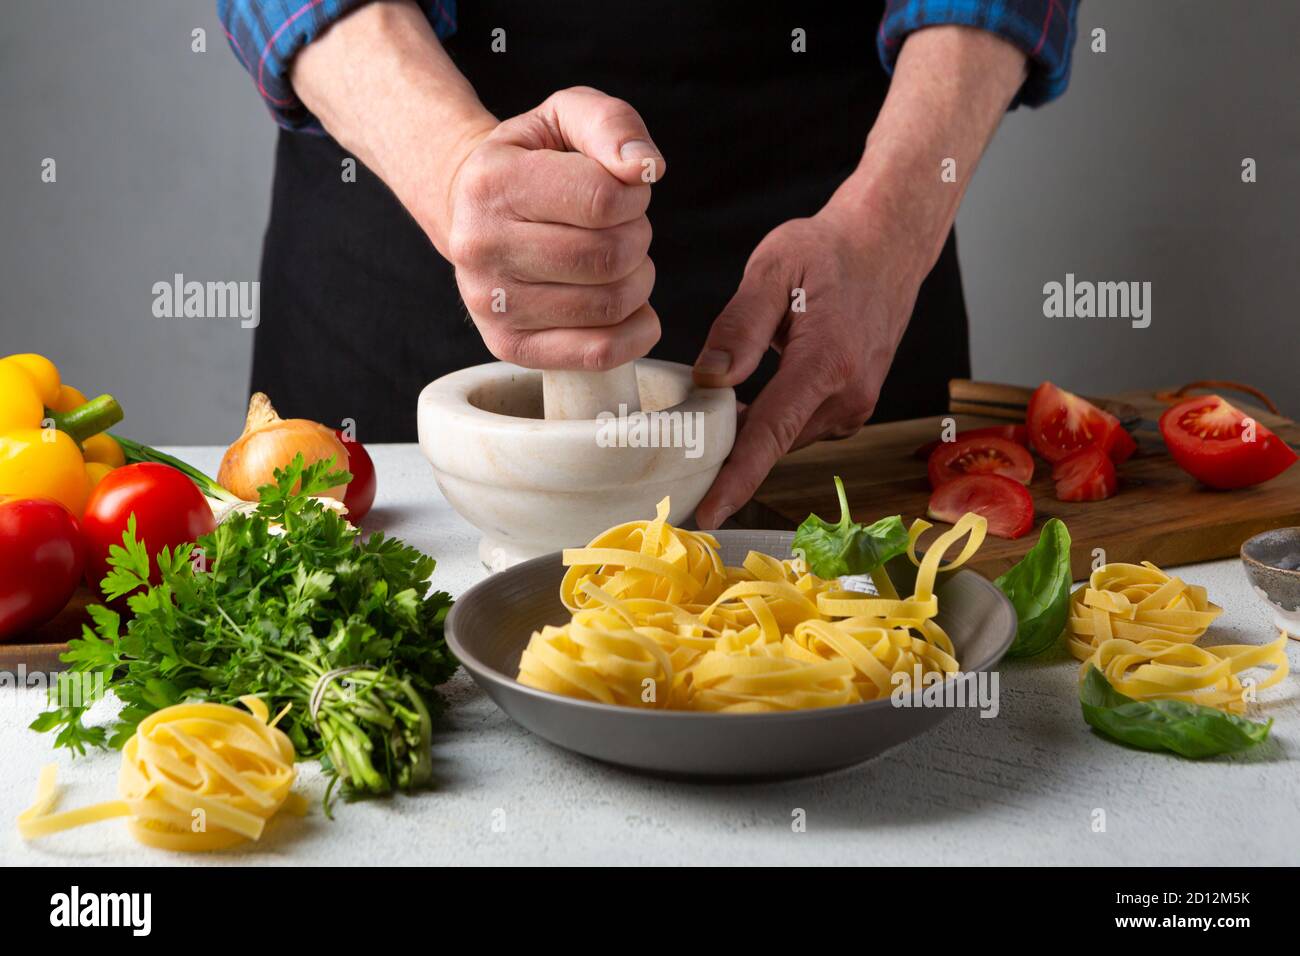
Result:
pixel 743 331
pixel 605 129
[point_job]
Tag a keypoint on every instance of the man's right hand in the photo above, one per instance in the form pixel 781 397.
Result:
pixel 545 222
pixel 542 215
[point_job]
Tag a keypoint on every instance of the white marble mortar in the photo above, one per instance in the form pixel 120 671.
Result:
pixel 533 486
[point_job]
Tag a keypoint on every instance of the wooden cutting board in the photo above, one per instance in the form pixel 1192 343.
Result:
pixel 1160 513
pixel 39 650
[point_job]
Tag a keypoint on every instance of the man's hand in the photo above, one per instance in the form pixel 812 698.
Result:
pixel 549 235
pixel 543 215
pixel 860 261
pixel 834 299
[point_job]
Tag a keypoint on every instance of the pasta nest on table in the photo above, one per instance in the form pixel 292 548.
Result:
pixel 194 777
pixel 1139 627
pixel 658 621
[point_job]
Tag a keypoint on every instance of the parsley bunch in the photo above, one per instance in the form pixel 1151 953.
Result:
pixel 287 602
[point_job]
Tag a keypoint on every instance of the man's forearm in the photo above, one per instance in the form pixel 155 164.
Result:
pixel 381 84
pixel 950 89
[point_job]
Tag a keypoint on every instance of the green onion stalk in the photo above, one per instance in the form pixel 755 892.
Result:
pixel 136 452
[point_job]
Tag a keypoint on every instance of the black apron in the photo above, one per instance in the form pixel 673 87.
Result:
pixel 359 312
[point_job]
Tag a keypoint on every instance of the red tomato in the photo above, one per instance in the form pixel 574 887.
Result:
pixel 1120 445
pixel 978 455
pixel 41 557
pixel 1016 433
pixel 1213 442
pixel 1087 475
pixel 1004 502
pixel 169 510
pixel 360 495
pixel 1061 423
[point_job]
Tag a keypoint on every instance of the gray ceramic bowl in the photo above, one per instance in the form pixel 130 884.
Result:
pixel 1272 563
pixel 491 623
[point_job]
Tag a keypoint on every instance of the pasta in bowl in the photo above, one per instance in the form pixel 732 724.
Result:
pixel 689 654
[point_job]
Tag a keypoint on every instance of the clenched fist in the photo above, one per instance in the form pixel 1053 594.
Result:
pixel 545 222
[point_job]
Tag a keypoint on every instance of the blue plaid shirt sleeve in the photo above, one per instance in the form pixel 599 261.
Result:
pixel 1043 29
pixel 267 34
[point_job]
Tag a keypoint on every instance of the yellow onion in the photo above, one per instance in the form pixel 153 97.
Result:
pixel 270 442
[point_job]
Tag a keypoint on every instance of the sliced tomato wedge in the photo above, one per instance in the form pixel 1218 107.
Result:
pixel 1003 501
pixel 1060 423
pixel 1218 445
pixel 1016 433
pixel 1087 475
pixel 1120 445
pixel 980 455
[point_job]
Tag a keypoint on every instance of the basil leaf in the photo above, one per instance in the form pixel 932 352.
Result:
pixel 1189 730
pixel 1039 589
pixel 834 550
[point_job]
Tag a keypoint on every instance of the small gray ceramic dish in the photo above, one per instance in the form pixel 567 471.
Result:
pixel 491 623
pixel 1272 563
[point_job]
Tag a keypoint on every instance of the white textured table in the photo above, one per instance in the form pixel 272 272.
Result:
pixel 1018 789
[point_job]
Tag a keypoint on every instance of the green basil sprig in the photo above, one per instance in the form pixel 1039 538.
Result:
pixel 833 550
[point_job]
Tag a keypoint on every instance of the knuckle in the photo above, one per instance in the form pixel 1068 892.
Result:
pixel 602 202
pixel 776 437
pixel 641 234
pixel 476 293
pixel 735 328
pixel 841 366
pixel 612 109
pixel 785 430
pixel 599 355
pixel 476 180
pixel 503 344
pixel 861 405
pixel 619 252
pixel 467 245
pixel 605 259
pixel 612 309
pixel 764 265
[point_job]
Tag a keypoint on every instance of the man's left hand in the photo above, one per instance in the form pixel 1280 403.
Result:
pixel 833 297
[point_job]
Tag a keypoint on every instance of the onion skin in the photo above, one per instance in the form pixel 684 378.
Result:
pixel 270 442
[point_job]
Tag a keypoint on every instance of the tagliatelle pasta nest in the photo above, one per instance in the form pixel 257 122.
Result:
pixel 658 621
pixel 196 776
pixel 1139 627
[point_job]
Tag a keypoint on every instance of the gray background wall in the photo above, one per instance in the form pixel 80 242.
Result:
pixel 164 161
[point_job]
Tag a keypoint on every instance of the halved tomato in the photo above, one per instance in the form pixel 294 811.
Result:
pixel 980 455
pixel 1003 501
pixel 1215 443
pixel 1087 475
pixel 1016 433
pixel 1060 423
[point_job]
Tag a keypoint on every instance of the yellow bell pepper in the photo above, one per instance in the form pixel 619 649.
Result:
pixel 69 398
pixel 104 450
pixel 96 471
pixel 40 450
pixel 44 376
